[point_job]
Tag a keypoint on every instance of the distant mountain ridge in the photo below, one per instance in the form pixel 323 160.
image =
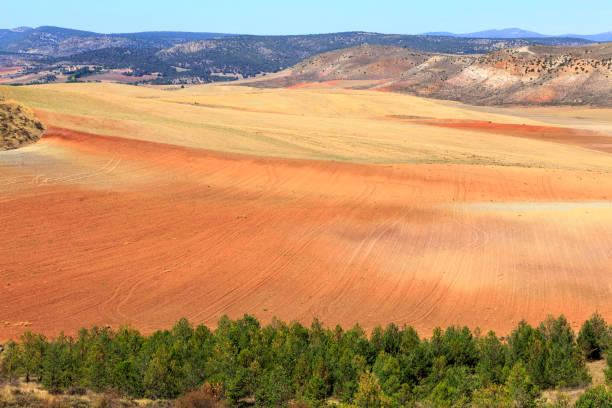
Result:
pixel 248 55
pixel 58 41
pixel 47 54
pixel 513 33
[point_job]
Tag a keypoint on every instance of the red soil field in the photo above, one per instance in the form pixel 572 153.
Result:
pixel 578 137
pixel 338 84
pixel 317 85
pixel 100 230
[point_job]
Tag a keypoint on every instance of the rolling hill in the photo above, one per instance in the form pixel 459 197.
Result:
pixel 527 75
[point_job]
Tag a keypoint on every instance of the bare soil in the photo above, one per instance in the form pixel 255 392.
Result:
pixel 101 230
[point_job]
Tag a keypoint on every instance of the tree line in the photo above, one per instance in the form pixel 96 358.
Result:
pixel 278 364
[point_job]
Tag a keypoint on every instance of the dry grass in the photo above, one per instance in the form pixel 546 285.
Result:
pixel 343 125
pixel 31 395
pixel 18 126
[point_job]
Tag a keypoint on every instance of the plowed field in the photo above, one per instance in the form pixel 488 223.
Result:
pixel 140 206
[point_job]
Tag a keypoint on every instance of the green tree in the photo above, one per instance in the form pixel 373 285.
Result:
pixel 565 364
pixel 58 370
pixel 593 337
pixel 126 378
pixel 391 339
pixel 416 358
pixel 522 390
pixel 316 391
pixel 456 345
pixel 97 365
pixel 33 351
pixel 387 370
pixel 11 366
pixel 444 395
pixel 492 396
pixel 198 351
pixel 161 379
pixel 492 359
pixel 528 346
pixel 377 343
pixel 369 393
pixel 274 389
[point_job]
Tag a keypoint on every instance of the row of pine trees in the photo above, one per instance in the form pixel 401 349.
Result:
pixel 278 363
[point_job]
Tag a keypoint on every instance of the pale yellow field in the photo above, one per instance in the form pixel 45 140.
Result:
pixel 316 124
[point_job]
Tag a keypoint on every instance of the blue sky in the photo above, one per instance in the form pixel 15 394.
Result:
pixel 312 16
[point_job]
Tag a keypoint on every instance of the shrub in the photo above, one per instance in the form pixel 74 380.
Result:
pixel 593 337
pixel 597 397
pixel 76 390
pixel 316 391
pixel 522 390
pixel 494 395
pixel 197 399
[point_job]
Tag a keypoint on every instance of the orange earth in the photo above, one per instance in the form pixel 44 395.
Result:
pixel 109 231
pixel 115 230
pixel 583 138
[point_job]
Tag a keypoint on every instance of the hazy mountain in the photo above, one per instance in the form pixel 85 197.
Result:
pixel 514 33
pixel 504 33
pixel 441 34
pixel 602 37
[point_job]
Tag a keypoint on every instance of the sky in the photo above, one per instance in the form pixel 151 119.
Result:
pixel 312 16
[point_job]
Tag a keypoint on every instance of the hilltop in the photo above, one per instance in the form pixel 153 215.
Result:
pixel 531 74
